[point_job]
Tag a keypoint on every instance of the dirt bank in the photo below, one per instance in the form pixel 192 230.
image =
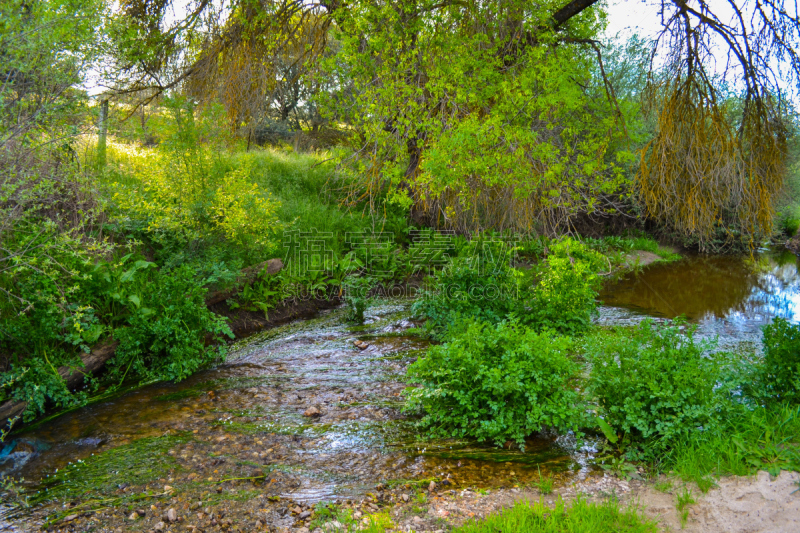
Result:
pixel 757 504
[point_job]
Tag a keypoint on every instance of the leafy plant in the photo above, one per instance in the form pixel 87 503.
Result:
pixel 468 288
pixel 564 295
pixel 619 466
pixel 780 370
pixel 263 294
pixel 356 296
pixel 497 382
pixel 170 344
pixel 185 191
pixel 654 383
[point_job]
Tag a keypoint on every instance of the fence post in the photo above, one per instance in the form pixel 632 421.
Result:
pixel 102 131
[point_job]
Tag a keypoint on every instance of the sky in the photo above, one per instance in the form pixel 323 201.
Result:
pixel 626 17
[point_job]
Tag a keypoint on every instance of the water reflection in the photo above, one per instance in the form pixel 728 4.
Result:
pixel 725 295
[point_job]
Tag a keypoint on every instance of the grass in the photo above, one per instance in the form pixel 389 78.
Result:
pixel 762 438
pixel 649 245
pixel 625 245
pixel 309 195
pixel 581 517
pixel 663 486
pixel 683 500
pixel 325 513
pixel 545 484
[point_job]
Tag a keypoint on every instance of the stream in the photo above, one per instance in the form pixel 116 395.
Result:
pixel 300 412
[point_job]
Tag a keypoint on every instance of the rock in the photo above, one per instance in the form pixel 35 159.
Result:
pixel 417 520
pixel 432 486
pixel 302 530
pixel 134 516
pixel 273 266
pixel 357 515
pixel 312 412
pixel 404 497
pixel 172 515
pixel 333 526
pixel 297 510
pixel 70 518
pixel 167 488
pixel 304 515
pixel 161 526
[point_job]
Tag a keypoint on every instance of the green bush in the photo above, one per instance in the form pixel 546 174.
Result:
pixel 464 288
pixel 654 383
pixel 170 342
pixel 780 369
pixel 495 382
pixel 564 295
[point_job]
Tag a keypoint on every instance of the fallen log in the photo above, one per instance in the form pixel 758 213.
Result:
pixel 95 360
pixel 247 276
pixel 73 377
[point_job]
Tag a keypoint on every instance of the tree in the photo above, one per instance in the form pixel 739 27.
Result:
pixel 506 133
pixel 759 41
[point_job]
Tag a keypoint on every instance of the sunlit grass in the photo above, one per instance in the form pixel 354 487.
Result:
pixel 580 517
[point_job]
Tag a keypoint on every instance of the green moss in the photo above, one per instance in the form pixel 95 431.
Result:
pixel 100 475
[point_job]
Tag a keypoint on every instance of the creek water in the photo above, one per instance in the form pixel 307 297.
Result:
pixel 248 413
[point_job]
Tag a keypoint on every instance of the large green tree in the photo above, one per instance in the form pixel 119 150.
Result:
pixel 480 114
pixel 500 113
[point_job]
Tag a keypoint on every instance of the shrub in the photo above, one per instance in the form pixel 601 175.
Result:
pixel 495 382
pixel 654 383
pixel 170 343
pixel 780 369
pixel 464 288
pixel 185 192
pixel 564 296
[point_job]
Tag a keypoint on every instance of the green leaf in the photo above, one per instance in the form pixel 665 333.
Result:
pixel 607 430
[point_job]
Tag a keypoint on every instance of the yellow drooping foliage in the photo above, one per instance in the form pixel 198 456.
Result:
pixel 709 175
